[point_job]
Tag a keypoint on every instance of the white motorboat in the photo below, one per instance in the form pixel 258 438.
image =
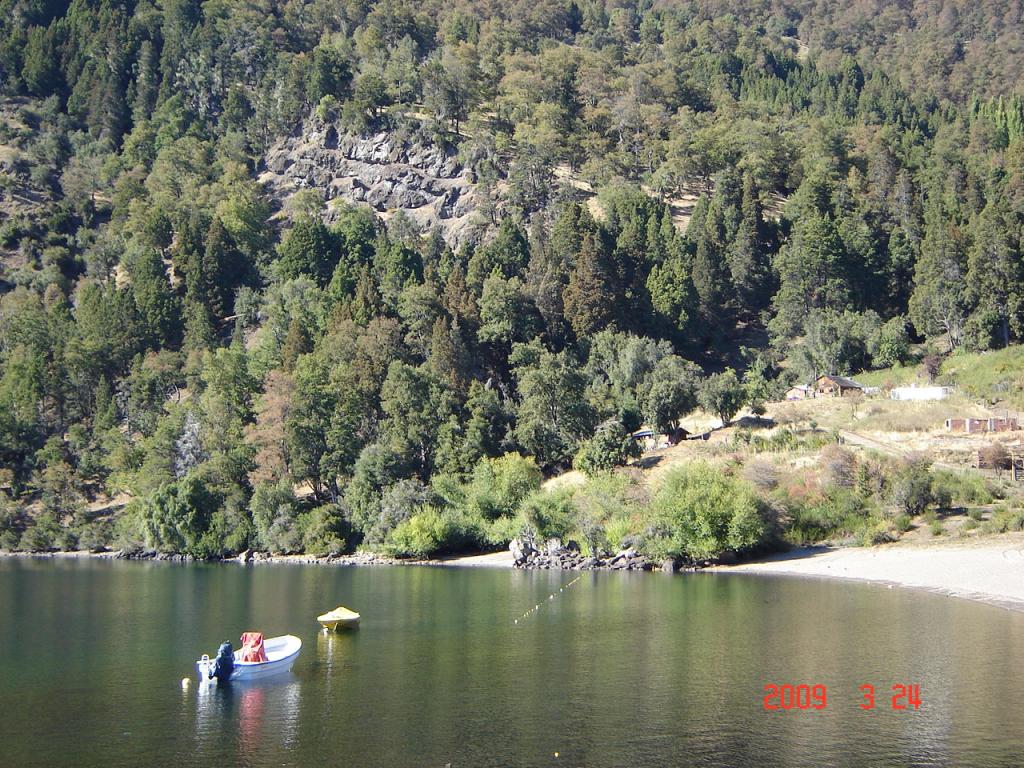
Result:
pixel 281 653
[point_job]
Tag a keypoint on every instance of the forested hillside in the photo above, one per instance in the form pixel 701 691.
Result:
pixel 674 204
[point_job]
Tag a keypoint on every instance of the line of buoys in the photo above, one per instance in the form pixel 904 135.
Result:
pixel 551 597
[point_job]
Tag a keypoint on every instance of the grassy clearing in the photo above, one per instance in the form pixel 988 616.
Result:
pixel 994 377
pixel 894 416
pixel 897 376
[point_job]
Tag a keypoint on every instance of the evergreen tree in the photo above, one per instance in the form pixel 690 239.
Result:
pixel 308 249
pixel 811 274
pixel 296 343
pixel 995 274
pixel 367 303
pixel 938 303
pixel 589 298
pixel 157 306
pixel 748 255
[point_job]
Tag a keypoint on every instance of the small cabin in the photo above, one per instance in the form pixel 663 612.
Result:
pixel 646 439
pixel 837 386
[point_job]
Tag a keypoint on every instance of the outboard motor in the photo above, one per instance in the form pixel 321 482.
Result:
pixel 224 664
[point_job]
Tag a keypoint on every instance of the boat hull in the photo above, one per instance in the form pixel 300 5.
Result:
pixel 339 618
pixel 281 655
pixel 339 624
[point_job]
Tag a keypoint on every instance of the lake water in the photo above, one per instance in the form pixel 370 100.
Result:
pixel 615 670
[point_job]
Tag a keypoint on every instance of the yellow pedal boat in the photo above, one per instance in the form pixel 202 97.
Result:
pixel 339 618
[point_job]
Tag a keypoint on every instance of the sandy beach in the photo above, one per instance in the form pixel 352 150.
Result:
pixel 989 570
pixel 501 559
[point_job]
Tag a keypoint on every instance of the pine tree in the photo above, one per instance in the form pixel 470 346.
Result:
pixel 224 267
pixel 296 343
pixel 158 307
pixel 938 303
pixel 105 409
pixel 811 274
pixel 994 274
pixel 710 274
pixel 458 300
pixel 367 303
pixel 449 356
pixel 308 249
pixel 671 290
pixel 199 329
pixel 589 297
pixel 748 254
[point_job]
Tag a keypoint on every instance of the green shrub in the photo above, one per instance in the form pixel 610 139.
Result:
pixel 841 512
pixel 274 511
pixel 500 532
pixel 910 486
pixel 891 343
pixel 323 530
pixel 1004 520
pixel 962 489
pixel 42 535
pixel 970 525
pixel 499 486
pixel 232 529
pixel 936 528
pixel 96 535
pixel 877 532
pixel 397 504
pixel 550 513
pixel 700 513
pixel 611 446
pixel 602 498
pixel 428 532
pixel 617 532
pixel 975 514
pixel 903 523
pixel 177 516
pixel 12 524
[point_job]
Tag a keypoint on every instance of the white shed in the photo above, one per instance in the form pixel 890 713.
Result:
pixel 914 392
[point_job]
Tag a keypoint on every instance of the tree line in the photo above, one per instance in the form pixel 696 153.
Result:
pixel 253 379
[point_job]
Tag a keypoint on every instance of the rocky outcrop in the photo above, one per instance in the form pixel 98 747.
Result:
pixel 383 170
pixel 552 555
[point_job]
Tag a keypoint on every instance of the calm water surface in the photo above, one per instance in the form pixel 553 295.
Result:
pixel 616 670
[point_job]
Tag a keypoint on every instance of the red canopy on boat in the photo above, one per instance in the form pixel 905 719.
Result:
pixel 252 647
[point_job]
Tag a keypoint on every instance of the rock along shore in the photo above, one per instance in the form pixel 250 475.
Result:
pixel 553 555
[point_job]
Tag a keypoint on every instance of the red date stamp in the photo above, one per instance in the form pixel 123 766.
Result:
pixel 803 696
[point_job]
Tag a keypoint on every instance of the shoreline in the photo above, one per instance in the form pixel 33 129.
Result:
pixel 989 570
pixel 500 559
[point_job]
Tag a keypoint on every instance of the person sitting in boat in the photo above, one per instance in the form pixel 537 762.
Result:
pixel 224 664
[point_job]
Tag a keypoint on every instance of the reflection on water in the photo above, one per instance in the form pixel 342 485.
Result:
pixel 255 716
pixel 621 670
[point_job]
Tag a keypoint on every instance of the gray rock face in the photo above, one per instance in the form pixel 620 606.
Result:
pixel 552 546
pixel 522 551
pixel 552 555
pixel 390 174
